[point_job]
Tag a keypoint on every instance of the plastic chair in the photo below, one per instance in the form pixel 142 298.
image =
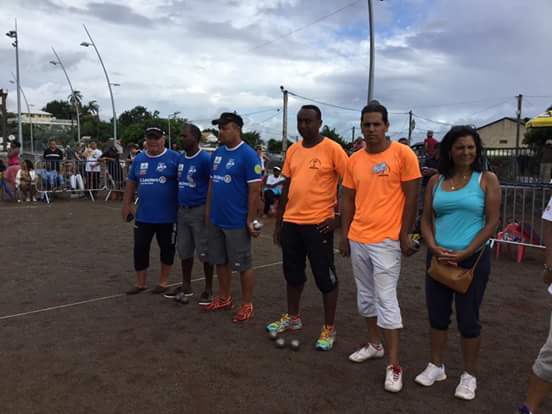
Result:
pixel 512 233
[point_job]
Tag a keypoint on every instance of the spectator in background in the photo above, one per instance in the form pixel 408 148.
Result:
pixel 93 167
pixel 263 157
pixel 52 158
pixel 546 162
pixel 118 146
pixel 13 163
pixel 111 156
pixel 74 176
pixel 359 144
pixel 404 141
pixel 272 189
pixel 430 143
pixel 133 151
pixel 26 182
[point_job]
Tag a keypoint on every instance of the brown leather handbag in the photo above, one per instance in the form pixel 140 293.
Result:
pixel 455 277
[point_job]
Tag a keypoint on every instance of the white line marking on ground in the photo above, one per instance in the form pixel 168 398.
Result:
pixel 119 295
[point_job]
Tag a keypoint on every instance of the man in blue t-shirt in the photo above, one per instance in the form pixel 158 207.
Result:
pixel 153 174
pixel 232 201
pixel 194 169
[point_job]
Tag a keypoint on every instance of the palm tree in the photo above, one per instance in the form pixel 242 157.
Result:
pixel 91 109
pixel 75 98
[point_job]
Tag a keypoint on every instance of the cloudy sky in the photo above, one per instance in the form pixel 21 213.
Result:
pixel 449 61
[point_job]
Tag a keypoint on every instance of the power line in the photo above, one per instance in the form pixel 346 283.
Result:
pixel 431 120
pixel 318 20
pixel 490 107
pixel 345 108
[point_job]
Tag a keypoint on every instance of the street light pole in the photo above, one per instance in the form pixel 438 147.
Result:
pixel 13 34
pixel 86 44
pixel 30 115
pixel 75 102
pixel 174 114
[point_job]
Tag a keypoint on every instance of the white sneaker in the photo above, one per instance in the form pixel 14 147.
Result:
pixel 393 378
pixel 431 374
pixel 466 388
pixel 28 200
pixel 367 352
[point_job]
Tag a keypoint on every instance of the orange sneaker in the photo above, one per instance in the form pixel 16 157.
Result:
pixel 219 303
pixel 244 313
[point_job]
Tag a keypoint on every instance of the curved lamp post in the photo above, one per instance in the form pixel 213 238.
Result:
pixel 13 35
pixel 59 62
pixel 109 84
pixel 29 112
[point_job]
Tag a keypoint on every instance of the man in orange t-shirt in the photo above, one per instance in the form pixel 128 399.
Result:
pixel 380 193
pixel 306 221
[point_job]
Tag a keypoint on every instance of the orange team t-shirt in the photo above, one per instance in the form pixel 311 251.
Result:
pixel 314 174
pixel 379 199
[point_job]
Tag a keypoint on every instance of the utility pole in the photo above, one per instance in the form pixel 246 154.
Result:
pixel 4 112
pixel 518 132
pixel 410 126
pixel 372 52
pixel 353 135
pixel 518 126
pixel 284 120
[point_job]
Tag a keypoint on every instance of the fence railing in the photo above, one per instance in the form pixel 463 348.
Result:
pixel 78 177
pixel 520 214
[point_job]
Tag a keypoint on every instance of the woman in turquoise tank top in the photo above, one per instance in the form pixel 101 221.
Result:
pixel 461 213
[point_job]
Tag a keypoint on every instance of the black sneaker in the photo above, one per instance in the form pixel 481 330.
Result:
pixel 158 290
pixel 205 299
pixel 135 290
pixel 172 293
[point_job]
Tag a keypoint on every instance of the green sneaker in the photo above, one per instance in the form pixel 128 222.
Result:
pixel 327 339
pixel 286 322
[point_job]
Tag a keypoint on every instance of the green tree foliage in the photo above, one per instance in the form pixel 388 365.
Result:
pixel 333 135
pixel 536 137
pixel 253 138
pixel 59 109
pixel 274 145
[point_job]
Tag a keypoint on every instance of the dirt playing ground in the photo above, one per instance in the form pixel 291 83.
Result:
pixel 107 353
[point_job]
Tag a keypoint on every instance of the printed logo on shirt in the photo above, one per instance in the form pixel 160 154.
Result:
pixel 161 166
pixel 227 179
pixel 258 169
pixel 216 162
pixel 190 176
pixel 143 168
pixel 315 164
pixel 381 169
pixel 162 180
pixel 230 163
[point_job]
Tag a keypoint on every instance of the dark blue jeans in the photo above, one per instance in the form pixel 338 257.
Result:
pixel 439 298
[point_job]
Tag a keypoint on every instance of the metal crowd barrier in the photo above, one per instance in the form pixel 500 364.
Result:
pixel 116 176
pixel 77 177
pixel 521 214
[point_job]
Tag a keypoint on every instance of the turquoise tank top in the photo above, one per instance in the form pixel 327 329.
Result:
pixel 460 214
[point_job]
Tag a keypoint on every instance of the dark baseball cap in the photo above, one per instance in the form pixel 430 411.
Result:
pixel 153 132
pixel 226 117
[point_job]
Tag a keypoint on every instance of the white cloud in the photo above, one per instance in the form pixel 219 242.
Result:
pixel 201 57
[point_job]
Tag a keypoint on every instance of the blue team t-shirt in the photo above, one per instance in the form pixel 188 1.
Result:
pixel 157 186
pixel 231 172
pixel 193 178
